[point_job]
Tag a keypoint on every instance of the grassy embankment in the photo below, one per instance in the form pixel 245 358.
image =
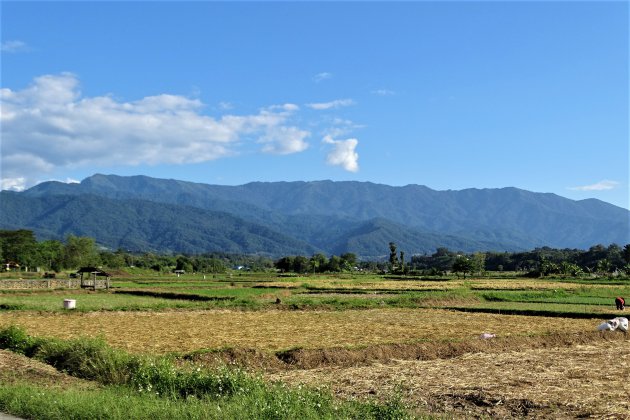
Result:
pixel 117 385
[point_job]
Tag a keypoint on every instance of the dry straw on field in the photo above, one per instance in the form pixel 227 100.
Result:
pixel 420 285
pixel 579 381
pixel 533 284
pixel 273 330
pixel 16 368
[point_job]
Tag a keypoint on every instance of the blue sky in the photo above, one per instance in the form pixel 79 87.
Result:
pixel 451 95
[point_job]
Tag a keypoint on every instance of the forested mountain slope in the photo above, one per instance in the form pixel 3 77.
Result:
pixel 302 217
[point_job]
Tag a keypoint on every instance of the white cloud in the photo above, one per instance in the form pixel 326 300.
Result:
pixel 341 127
pixel 20 184
pixel 383 92
pixel 15 184
pixel 337 103
pixel 226 106
pixel 343 153
pixel 599 186
pixel 13 46
pixel 284 140
pixel 284 107
pixel 322 76
pixel 50 125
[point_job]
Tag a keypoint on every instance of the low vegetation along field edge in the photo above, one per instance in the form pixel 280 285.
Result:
pixel 301 358
pixel 132 386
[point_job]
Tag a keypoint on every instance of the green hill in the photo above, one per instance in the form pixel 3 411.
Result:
pixel 283 218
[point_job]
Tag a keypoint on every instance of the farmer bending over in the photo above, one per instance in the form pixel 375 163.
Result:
pixel 620 302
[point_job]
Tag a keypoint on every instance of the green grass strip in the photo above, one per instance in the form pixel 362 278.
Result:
pixel 141 387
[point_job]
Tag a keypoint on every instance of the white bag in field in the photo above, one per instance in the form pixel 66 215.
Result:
pixel 609 325
pixel 604 326
pixel 623 324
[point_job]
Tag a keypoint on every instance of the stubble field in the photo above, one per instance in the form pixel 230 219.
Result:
pixel 366 337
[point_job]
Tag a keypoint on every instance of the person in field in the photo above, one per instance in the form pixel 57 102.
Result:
pixel 620 302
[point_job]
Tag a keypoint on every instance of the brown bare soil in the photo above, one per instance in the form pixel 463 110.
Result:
pixel 581 380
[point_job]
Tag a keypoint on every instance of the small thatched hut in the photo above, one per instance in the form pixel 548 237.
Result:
pixel 95 279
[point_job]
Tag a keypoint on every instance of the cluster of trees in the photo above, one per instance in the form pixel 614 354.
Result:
pixel 21 247
pixel 597 259
pixel 318 263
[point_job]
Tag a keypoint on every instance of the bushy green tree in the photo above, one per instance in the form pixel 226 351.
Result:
pixel 184 263
pixel 51 254
pixel 318 263
pixel 301 264
pixel 203 264
pixel 478 260
pixel 113 259
pixel 285 264
pixel 348 261
pixel 463 265
pixel 335 264
pixel 80 251
pixel 19 246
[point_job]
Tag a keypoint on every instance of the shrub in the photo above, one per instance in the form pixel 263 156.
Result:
pixel 87 358
pixel 392 409
pixel 15 339
pixel 161 376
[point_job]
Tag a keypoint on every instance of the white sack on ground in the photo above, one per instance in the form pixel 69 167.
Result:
pixel 623 324
pixel 604 326
pixel 609 325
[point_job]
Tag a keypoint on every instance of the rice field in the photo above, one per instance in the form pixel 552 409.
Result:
pixel 366 337
pixel 577 382
pixel 274 330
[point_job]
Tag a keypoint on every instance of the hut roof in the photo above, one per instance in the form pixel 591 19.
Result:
pixel 93 270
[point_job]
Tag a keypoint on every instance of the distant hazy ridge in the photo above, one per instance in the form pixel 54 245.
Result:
pixel 282 218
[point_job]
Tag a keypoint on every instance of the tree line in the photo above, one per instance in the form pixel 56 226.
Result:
pixel 318 263
pixel 21 247
pixel 598 259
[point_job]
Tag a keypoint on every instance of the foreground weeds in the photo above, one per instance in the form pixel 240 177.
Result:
pixel 118 403
pixel 140 387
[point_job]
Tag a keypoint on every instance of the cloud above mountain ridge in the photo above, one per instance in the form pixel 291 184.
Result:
pixel 50 124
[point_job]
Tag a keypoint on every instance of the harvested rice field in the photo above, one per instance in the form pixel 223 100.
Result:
pixel 273 330
pixel 581 381
pixel 438 284
pixel 367 337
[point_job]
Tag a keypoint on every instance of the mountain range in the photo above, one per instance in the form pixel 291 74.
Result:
pixel 140 213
